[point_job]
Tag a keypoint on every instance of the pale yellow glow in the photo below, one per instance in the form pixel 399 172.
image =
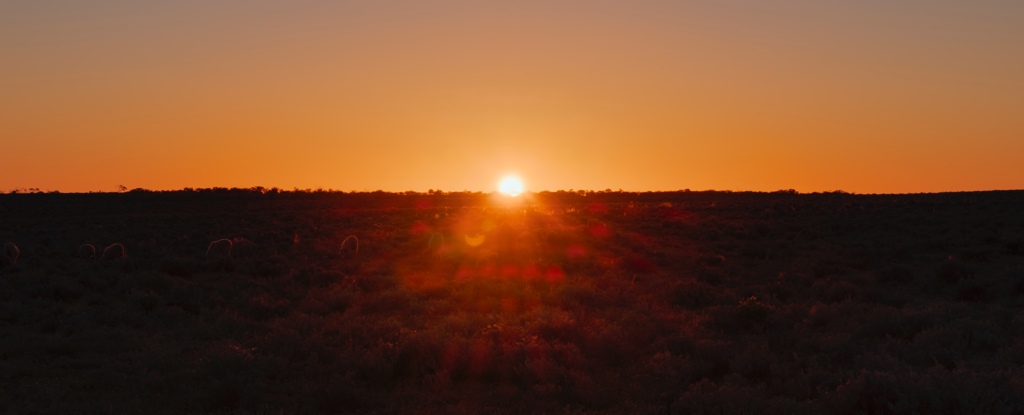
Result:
pixel 511 186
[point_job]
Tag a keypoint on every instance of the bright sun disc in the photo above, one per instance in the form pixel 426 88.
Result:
pixel 511 186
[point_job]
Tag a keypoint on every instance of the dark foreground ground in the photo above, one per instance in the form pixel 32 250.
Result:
pixel 667 303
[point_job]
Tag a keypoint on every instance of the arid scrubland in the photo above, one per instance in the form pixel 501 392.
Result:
pixel 566 302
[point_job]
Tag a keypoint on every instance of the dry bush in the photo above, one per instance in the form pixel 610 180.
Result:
pixel 113 252
pixel 11 253
pixel 436 243
pixel 350 245
pixel 220 247
pixel 87 251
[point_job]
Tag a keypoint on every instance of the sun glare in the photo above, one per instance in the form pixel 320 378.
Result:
pixel 511 186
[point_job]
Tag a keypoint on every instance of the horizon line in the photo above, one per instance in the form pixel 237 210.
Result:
pixel 441 192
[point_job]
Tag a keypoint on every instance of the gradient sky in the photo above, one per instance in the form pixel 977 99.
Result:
pixel 864 96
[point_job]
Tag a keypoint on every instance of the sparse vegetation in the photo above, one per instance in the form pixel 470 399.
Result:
pixel 350 246
pixel 11 253
pixel 87 251
pixel 220 247
pixel 113 251
pixel 576 303
pixel 436 243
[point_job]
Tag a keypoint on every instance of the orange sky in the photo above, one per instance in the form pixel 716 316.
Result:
pixel 866 96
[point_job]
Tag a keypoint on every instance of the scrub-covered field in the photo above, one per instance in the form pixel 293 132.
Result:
pixel 564 302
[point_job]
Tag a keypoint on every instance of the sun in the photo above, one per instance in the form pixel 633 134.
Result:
pixel 511 186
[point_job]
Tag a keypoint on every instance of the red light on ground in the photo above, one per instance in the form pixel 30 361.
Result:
pixel 554 274
pixel 509 271
pixel 575 252
pixel 419 228
pixel 464 272
pixel 531 272
pixel 488 270
pixel 600 231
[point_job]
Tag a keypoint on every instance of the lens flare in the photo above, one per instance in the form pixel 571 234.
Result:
pixel 474 240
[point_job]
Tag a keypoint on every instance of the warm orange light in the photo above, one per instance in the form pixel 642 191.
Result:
pixel 475 240
pixel 511 186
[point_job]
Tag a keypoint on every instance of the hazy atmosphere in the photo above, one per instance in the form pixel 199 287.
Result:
pixel 512 207
pixel 867 96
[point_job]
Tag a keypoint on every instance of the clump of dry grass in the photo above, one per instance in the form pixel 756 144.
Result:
pixel 11 253
pixel 113 252
pixel 219 247
pixel 350 245
pixel 87 251
pixel 435 244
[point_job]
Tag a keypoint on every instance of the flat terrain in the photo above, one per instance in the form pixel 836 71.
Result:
pixel 565 302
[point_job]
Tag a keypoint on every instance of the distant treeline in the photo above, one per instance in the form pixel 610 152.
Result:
pixel 607 195
pixel 260 190
pixel 320 191
pixel 406 199
pixel 220 199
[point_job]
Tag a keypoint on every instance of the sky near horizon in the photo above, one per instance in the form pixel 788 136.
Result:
pixel 864 96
